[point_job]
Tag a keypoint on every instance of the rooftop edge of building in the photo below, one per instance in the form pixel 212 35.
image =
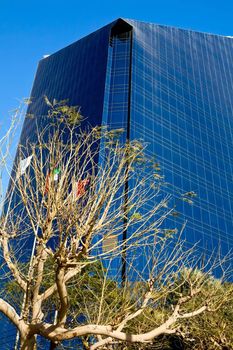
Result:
pixel 176 27
pixel 131 22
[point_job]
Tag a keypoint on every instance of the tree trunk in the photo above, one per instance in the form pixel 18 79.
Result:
pixel 28 343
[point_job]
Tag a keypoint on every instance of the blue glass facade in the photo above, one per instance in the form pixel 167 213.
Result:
pixel 76 73
pixel 178 85
pixel 173 89
pixel 182 106
pixel 170 87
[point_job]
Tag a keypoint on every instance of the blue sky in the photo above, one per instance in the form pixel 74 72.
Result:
pixel 31 28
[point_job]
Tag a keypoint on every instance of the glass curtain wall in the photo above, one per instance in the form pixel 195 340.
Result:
pixel 182 105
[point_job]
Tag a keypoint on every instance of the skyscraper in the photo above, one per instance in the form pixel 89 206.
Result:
pixel 170 87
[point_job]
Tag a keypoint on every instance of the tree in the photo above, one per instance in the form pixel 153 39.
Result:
pixel 83 202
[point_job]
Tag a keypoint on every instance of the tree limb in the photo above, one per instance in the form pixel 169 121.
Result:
pixel 11 265
pixel 12 315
